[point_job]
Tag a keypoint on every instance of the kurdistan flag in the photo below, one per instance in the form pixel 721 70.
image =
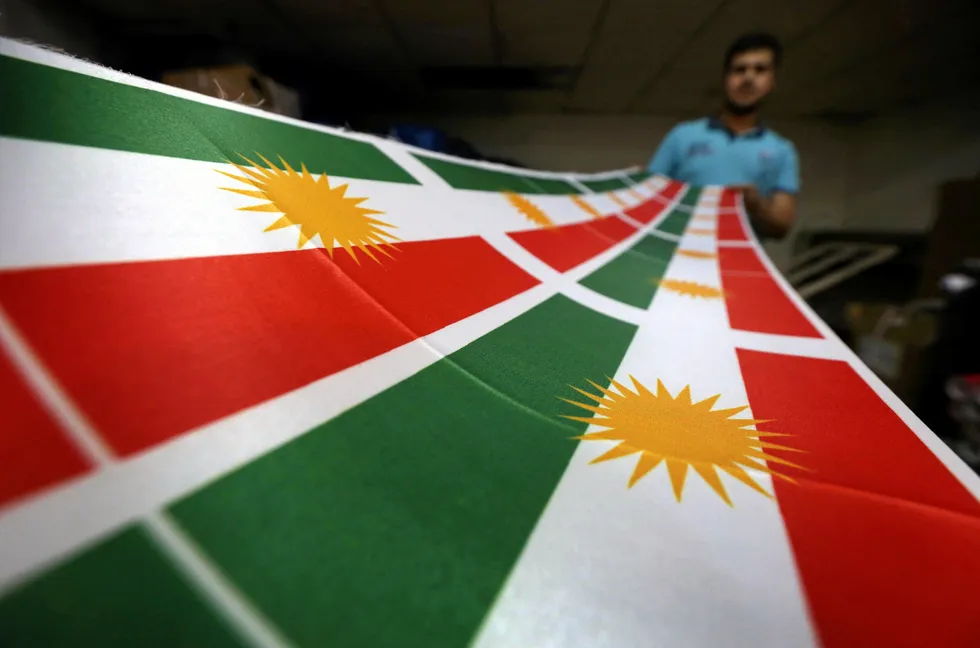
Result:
pixel 271 384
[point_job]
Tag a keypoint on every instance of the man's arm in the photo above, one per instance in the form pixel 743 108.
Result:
pixel 774 215
pixel 664 161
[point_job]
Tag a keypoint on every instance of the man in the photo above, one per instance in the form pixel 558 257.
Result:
pixel 734 148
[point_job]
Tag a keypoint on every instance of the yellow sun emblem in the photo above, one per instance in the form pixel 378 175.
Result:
pixel 701 231
pixel 619 201
pixel 679 433
pixel 689 288
pixel 697 254
pixel 704 218
pixel 586 207
pixel 530 211
pixel 310 203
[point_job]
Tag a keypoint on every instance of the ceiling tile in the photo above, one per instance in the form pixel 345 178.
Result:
pixel 437 32
pixel 637 38
pixel 545 32
pixel 901 62
pixel 862 28
pixel 698 66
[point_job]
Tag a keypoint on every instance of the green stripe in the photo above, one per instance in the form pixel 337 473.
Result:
pixel 602 186
pixel 637 178
pixel 465 176
pixel 691 197
pixel 631 277
pixel 120 593
pixel 675 222
pixel 397 523
pixel 551 186
pixel 40 102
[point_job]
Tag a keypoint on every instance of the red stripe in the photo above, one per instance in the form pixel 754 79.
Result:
pixel 150 350
pixel 36 453
pixel 730 228
pixel 757 303
pixel 887 541
pixel 670 192
pixel 740 260
pixel 646 212
pixel 728 199
pixel 567 246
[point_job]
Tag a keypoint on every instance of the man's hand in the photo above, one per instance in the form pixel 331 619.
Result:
pixel 772 216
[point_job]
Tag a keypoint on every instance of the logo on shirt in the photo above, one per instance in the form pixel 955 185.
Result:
pixel 699 148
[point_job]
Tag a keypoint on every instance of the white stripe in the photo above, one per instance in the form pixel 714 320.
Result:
pixel 246 619
pixel 612 566
pixel 228 602
pixel 57 209
pixel 47 528
pixel 789 345
pixel 58 404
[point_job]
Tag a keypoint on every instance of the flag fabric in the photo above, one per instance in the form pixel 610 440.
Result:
pixel 266 383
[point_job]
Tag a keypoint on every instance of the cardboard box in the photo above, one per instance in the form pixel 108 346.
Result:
pixel 240 84
pixel 894 341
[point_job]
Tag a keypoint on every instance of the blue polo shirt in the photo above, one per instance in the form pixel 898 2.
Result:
pixel 705 152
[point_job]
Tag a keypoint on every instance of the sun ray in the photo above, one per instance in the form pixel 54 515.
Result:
pixel 647 462
pixel 697 254
pixel 279 224
pixel 622 450
pixel 684 397
pixel 776 446
pixel 689 288
pixel 251 193
pixel 586 207
pixel 591 408
pixel 640 388
pixel 768 458
pixel 314 207
pixel 580 419
pixel 597 399
pixel 709 475
pixel 622 388
pixel 257 173
pixel 732 411
pixel 679 432
pixel 701 231
pixel 528 209
pixel 677 470
pixel 708 402
pixel 611 395
pixel 245 180
pixel 285 165
pixel 739 473
pixel 616 199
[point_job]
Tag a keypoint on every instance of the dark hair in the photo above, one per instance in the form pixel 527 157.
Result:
pixel 754 41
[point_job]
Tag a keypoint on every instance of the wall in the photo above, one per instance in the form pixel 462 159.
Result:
pixel 899 161
pixel 48 23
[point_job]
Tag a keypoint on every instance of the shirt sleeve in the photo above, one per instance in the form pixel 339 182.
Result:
pixel 788 179
pixel 664 161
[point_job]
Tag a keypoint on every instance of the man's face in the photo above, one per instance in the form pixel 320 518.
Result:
pixel 750 77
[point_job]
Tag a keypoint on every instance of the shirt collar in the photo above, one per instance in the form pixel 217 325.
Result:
pixel 715 123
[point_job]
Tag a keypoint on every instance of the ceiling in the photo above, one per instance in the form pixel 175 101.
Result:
pixel 844 58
